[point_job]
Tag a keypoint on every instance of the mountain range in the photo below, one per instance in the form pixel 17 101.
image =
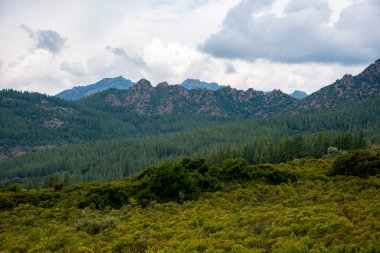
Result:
pixel 164 99
pixel 120 83
pixel 33 121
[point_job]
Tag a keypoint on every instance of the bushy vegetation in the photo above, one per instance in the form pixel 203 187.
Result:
pixel 290 207
pixel 171 181
pixel 360 163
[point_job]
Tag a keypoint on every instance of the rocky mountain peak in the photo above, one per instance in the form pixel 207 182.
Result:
pixel 143 84
pixel 372 70
pixel 276 92
pixel 162 85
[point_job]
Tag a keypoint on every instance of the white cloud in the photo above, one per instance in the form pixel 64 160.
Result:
pixel 35 71
pixel 302 34
pixel 74 68
pixel 158 40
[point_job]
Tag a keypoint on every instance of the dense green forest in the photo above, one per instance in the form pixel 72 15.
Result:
pixel 305 205
pixel 276 139
pixel 32 119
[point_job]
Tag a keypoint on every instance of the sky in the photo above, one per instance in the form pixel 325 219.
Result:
pixel 49 46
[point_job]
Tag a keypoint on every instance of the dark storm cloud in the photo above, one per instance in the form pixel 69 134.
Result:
pixel 46 39
pixel 302 34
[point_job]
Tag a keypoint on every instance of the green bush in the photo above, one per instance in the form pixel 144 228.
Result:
pixel 361 163
pixel 234 169
pixel 11 188
pixel 271 175
pixel 169 180
pixel 94 226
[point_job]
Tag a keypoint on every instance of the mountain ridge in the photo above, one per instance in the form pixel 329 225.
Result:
pixel 80 92
pixel 165 99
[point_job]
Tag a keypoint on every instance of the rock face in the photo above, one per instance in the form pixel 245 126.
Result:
pixel 107 83
pixel 164 99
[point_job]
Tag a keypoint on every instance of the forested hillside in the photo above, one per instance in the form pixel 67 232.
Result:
pixel 33 121
pixel 275 139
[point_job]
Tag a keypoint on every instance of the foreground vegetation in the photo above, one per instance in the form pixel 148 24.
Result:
pixel 305 205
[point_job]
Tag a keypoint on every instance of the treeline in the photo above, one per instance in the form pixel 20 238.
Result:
pixel 181 181
pixel 170 181
pixel 273 140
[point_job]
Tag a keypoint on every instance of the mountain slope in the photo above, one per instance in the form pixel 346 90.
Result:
pixel 32 120
pixel 346 91
pixel 104 84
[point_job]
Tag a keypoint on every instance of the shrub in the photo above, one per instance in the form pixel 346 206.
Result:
pixel 359 163
pixel 169 180
pixel 58 187
pixel 11 188
pixel 94 226
pixel 234 169
pixel 271 175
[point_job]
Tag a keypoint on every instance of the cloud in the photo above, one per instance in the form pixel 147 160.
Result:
pixel 39 72
pixel 74 68
pixel 230 68
pixel 133 58
pixel 302 33
pixel 45 39
pixel 117 51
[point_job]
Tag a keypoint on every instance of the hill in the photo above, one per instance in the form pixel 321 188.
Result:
pixel 33 121
pixel 80 92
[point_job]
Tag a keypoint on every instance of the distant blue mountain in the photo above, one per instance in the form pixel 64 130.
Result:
pixel 299 94
pixel 107 83
pixel 196 83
